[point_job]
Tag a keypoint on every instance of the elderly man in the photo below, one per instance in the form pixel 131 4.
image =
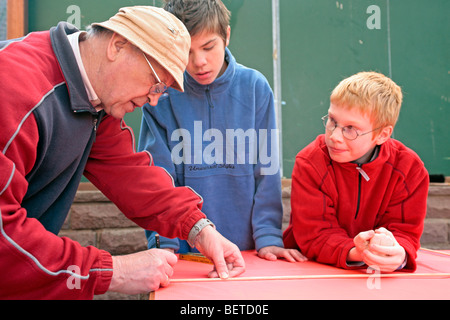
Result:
pixel 63 96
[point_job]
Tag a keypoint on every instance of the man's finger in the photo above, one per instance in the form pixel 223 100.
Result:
pixel 220 267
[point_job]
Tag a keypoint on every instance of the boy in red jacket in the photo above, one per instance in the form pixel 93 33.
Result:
pixel 358 196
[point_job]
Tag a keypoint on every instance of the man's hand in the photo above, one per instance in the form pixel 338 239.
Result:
pixel 227 259
pixel 142 272
pixel 272 253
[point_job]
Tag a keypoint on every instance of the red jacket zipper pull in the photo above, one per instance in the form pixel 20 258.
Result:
pixel 363 173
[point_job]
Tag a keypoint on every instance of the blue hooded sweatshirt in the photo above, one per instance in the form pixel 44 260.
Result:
pixel 221 140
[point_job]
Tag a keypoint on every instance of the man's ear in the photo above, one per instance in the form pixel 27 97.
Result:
pixel 115 46
pixel 384 135
pixel 227 41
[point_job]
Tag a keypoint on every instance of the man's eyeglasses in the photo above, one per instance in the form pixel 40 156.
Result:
pixel 159 87
pixel 348 132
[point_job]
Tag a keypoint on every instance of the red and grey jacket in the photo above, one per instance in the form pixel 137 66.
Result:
pixel 332 202
pixel 50 136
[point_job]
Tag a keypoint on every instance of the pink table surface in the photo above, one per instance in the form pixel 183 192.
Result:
pixel 425 283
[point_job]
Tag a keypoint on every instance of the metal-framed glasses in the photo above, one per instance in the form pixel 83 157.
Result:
pixel 160 87
pixel 348 132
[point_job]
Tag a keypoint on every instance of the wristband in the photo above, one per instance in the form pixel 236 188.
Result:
pixel 199 226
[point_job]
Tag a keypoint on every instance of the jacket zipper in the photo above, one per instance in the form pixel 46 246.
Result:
pixel 363 174
pixel 94 121
pixel 211 106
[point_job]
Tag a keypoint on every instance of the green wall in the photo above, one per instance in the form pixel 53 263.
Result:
pixel 323 41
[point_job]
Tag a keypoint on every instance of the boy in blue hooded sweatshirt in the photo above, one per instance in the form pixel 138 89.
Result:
pixel 219 137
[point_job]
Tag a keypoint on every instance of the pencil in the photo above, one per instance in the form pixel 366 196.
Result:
pixel 197 257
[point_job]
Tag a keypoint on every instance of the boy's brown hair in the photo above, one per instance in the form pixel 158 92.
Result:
pixel 201 15
pixel 371 93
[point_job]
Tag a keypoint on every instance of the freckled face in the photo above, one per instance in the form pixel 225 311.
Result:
pixel 342 149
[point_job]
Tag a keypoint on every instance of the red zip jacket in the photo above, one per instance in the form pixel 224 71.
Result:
pixel 50 136
pixel 332 202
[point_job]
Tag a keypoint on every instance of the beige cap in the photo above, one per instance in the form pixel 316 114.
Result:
pixel 156 32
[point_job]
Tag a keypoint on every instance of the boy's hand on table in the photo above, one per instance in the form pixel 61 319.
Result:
pixel 361 242
pixel 384 252
pixel 378 249
pixel 272 253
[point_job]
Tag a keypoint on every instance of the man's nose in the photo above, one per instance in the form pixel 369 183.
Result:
pixel 153 99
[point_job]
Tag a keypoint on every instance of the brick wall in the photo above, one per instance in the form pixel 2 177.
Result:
pixel 436 234
pixel 94 220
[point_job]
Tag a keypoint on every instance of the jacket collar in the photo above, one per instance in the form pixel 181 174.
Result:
pixel 375 165
pixel 382 155
pixel 79 99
